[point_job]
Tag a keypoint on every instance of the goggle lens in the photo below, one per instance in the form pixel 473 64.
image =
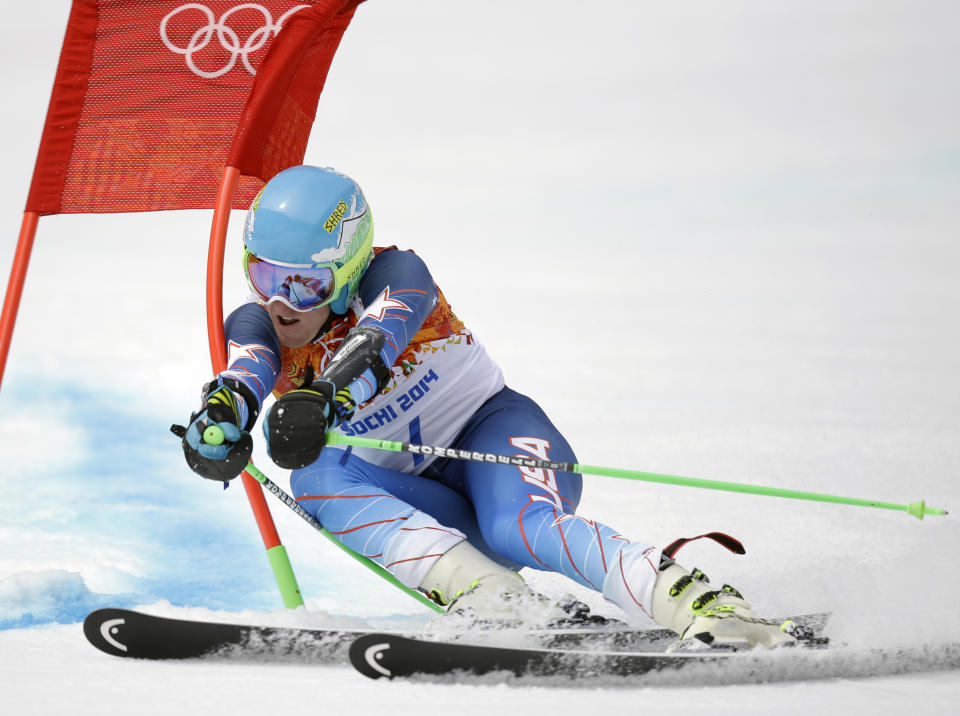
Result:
pixel 303 288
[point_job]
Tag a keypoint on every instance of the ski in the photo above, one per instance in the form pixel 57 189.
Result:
pixel 133 634
pixel 392 655
pixel 126 633
pixel 380 655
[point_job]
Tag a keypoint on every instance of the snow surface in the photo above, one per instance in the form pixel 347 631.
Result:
pixel 712 239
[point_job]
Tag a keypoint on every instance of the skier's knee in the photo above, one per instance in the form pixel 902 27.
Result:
pixel 513 537
pixel 496 534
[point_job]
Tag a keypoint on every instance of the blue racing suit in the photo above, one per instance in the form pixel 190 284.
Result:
pixel 404 510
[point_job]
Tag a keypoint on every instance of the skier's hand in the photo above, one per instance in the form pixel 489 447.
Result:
pixel 213 444
pixel 296 426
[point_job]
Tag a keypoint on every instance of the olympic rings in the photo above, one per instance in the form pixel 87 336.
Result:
pixel 227 36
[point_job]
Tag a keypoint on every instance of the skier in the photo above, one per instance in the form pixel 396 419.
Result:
pixel 360 339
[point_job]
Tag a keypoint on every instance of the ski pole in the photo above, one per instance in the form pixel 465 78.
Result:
pixel 917 509
pixel 278 492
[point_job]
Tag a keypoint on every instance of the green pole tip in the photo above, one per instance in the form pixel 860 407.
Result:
pixel 919 509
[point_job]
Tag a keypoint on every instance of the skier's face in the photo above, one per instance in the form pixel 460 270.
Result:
pixel 296 328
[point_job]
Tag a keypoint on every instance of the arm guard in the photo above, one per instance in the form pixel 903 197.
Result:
pixel 359 352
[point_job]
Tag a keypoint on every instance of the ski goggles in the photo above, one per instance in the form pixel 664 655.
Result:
pixel 303 288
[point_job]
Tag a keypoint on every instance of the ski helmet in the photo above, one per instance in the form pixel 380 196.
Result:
pixel 307 239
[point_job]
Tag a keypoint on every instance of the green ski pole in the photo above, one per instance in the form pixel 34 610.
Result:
pixel 918 509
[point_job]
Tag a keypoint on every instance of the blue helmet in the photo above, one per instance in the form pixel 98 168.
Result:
pixel 309 218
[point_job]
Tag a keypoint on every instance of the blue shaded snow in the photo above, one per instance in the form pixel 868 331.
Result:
pixel 124 505
pixel 54 595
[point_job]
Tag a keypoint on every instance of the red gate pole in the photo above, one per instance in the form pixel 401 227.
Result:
pixel 18 273
pixel 276 552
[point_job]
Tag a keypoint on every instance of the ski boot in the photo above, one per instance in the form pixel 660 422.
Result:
pixel 705 617
pixel 479 593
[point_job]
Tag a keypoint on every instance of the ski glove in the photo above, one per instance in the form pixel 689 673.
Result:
pixel 214 445
pixel 296 426
pixel 344 405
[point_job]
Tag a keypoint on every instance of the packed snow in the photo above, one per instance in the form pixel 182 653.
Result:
pixel 711 239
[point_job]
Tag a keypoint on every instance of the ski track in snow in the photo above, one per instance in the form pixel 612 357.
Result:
pixel 80 681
